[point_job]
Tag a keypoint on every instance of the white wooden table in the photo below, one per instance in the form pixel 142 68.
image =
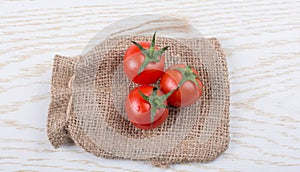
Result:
pixel 261 40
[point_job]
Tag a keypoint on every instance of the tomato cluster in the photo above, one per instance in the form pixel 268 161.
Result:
pixel 180 85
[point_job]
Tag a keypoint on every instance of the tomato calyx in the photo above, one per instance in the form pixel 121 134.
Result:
pixel 156 101
pixel 188 75
pixel 151 54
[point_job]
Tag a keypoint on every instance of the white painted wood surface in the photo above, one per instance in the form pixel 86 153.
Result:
pixel 261 40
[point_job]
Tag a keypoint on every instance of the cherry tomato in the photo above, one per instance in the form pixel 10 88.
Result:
pixel 138 109
pixel 187 79
pixel 144 62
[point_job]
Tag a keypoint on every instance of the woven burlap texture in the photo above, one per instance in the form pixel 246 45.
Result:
pixel 68 119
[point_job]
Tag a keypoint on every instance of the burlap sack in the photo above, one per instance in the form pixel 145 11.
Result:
pixel 88 93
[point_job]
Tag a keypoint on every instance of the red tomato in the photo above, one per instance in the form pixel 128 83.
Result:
pixel 133 60
pixel 144 62
pixel 139 110
pixel 188 93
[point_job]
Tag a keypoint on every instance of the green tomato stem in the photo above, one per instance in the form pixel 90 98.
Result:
pixel 156 102
pixel 188 75
pixel 151 54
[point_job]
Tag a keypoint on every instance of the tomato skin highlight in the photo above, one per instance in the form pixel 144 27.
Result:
pixel 133 60
pixel 187 94
pixel 138 110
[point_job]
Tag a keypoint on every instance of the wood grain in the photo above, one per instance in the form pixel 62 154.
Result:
pixel 261 40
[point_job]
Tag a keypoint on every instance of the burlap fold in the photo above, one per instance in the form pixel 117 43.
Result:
pixel 68 119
